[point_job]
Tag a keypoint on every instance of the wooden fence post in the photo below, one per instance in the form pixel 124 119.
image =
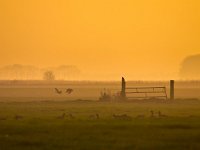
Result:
pixel 123 90
pixel 172 89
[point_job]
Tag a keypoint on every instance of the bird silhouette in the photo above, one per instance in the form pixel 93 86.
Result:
pixel 69 91
pixel 58 91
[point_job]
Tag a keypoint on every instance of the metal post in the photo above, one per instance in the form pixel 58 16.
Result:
pixel 172 89
pixel 123 90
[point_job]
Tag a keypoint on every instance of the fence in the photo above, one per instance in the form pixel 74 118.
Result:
pixel 146 92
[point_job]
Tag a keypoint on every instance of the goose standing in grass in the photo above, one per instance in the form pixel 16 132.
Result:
pixel 18 117
pixel 140 116
pixel 122 117
pixel 94 117
pixel 62 116
pixel 70 116
pixel 3 118
pixel 152 114
pixel 161 115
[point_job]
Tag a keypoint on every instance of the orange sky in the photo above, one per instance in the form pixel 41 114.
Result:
pixel 140 39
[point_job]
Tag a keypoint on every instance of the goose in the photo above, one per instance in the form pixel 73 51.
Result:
pixel 69 91
pixel 94 117
pixel 58 91
pixel 122 117
pixel 161 115
pixel 62 116
pixel 17 117
pixel 70 116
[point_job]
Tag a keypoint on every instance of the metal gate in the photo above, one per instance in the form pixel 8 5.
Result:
pixel 142 92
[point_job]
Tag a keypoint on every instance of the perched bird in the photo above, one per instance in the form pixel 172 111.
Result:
pixel 69 91
pixel 58 91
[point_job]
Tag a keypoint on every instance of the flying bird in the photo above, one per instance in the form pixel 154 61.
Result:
pixel 69 91
pixel 58 91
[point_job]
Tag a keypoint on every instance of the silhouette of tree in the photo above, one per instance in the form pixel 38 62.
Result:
pixel 190 67
pixel 49 76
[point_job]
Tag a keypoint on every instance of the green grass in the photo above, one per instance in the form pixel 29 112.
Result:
pixel 39 129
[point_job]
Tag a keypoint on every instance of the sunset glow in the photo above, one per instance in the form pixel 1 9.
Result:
pixel 141 40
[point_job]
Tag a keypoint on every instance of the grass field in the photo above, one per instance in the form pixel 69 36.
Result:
pixel 40 126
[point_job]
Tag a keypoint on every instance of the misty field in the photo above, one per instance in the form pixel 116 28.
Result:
pixel 33 116
pixel 42 125
pixel 90 90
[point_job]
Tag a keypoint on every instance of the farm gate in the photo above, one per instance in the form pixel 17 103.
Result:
pixel 146 92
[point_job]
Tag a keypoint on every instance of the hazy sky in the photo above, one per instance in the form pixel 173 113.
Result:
pixel 140 39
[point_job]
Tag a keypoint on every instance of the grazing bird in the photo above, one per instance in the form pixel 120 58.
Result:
pixel 69 91
pixel 192 116
pixel 122 117
pixel 94 117
pixel 161 115
pixel 62 116
pixel 18 117
pixel 58 91
pixel 70 116
pixel 140 116
pixel 152 113
pixel 3 118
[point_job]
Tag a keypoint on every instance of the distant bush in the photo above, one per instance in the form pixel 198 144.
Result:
pixel 106 95
pixel 190 68
pixel 49 76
